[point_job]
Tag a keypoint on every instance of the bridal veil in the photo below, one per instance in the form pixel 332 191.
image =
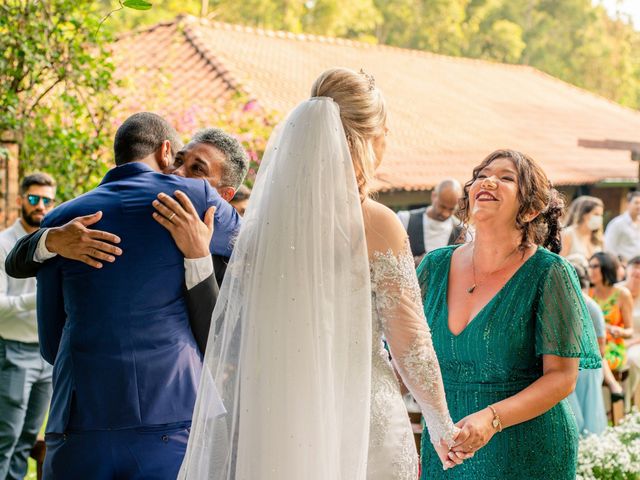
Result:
pixel 289 350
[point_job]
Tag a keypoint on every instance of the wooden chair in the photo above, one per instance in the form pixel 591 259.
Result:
pixel 416 425
pixel 615 410
pixel 37 453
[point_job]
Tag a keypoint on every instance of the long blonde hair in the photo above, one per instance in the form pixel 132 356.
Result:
pixel 363 113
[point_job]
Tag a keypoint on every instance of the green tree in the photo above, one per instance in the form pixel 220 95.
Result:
pixel 490 34
pixel 55 89
pixel 354 19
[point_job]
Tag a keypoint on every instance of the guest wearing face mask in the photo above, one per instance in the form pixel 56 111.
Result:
pixel 582 232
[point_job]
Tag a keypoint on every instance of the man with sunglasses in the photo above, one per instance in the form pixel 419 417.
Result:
pixel 25 378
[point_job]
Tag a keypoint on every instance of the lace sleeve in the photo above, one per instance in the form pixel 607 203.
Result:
pixel 399 307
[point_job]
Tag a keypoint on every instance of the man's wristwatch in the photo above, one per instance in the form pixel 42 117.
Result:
pixel 496 422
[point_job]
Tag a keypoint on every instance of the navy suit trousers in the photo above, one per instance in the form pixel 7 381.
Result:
pixel 144 453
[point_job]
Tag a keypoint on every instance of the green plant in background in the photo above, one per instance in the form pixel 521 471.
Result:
pixel 574 40
pixel 237 115
pixel 56 92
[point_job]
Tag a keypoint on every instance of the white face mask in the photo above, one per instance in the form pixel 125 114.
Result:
pixel 595 222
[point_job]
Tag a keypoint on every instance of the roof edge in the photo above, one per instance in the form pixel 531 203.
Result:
pixel 193 37
pixel 310 37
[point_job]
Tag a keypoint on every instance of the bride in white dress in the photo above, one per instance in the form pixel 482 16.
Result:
pixel 320 275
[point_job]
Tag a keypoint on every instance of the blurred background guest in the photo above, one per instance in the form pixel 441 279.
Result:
pixel 632 283
pixel 586 400
pixel 616 305
pixel 434 226
pixel 241 199
pixel 583 227
pixel 25 378
pixel 622 236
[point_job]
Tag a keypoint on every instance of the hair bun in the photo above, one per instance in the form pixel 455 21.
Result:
pixel 551 216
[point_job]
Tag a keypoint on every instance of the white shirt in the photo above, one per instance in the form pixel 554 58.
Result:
pixel 195 269
pixel 436 233
pixel 622 237
pixel 17 295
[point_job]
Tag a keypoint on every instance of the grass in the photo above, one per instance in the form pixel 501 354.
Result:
pixel 32 470
pixel 31 473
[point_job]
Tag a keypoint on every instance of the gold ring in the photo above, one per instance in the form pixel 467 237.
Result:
pixel 172 215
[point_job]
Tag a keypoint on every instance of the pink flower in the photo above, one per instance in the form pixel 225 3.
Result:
pixel 250 106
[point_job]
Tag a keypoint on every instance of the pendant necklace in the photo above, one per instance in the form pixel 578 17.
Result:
pixel 502 266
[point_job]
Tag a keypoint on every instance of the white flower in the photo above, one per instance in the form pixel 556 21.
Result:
pixel 614 454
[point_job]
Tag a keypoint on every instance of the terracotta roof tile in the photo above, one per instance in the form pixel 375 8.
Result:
pixel 446 113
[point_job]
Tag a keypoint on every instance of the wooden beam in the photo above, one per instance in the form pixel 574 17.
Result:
pixel 610 144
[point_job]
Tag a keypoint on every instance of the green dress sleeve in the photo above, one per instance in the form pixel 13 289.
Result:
pixel 563 324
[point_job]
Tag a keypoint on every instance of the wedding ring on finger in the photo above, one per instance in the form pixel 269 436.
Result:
pixel 173 214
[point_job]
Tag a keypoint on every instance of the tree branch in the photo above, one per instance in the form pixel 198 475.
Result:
pixel 86 105
pixel 42 95
pixel 107 16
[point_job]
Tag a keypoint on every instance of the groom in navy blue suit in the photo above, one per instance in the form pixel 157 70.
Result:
pixel 126 365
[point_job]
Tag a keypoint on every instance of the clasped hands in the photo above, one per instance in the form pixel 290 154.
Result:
pixel 474 432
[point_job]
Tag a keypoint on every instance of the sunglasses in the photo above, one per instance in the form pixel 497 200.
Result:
pixel 35 200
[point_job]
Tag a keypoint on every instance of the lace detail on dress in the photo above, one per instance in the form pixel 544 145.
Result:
pixel 406 463
pixel 417 362
pixel 398 303
pixel 384 391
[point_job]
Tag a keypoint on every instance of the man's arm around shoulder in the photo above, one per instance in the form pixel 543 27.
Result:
pixel 50 308
pixel 20 261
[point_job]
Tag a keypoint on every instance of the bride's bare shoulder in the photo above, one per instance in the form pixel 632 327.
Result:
pixel 383 229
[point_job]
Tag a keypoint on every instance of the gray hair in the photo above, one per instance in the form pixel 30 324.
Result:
pixel 237 164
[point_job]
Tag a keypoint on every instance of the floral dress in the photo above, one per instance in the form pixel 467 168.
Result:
pixel 615 351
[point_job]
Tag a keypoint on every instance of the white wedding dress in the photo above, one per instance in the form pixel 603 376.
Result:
pixel 295 354
pixel 398 317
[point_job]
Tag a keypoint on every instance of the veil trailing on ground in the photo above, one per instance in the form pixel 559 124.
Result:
pixel 290 344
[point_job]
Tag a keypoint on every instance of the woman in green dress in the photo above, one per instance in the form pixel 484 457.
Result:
pixel 510 329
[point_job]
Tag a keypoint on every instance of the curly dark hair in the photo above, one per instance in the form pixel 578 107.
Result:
pixel 535 195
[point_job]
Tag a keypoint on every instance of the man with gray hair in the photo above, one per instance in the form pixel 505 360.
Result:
pixel 434 226
pixel 212 155
pixel 217 157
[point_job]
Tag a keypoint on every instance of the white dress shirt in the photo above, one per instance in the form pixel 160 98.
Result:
pixel 622 237
pixel 17 295
pixel 195 269
pixel 436 233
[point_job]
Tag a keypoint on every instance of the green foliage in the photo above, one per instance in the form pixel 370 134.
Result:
pixel 136 4
pixel 56 83
pixel 570 39
pixel 238 115
pixel 55 89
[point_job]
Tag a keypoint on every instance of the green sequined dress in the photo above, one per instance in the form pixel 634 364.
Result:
pixel 538 311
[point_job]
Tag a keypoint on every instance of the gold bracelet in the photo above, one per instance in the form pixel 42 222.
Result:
pixel 496 422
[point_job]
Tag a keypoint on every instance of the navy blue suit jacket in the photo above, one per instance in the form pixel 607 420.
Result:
pixel 119 337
